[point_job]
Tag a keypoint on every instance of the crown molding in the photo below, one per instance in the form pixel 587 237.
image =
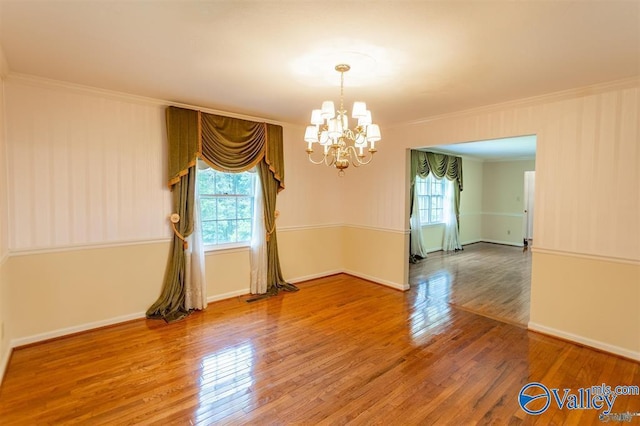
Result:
pixel 47 83
pixel 626 83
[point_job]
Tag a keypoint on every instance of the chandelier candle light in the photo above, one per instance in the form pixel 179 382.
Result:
pixel 341 145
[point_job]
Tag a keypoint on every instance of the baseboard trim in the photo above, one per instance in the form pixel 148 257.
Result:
pixel 23 341
pixel 386 283
pixel 61 332
pixel 466 243
pixel 229 295
pixel 433 249
pixel 504 243
pixel 314 276
pixel 397 286
pixel 595 344
pixel 4 361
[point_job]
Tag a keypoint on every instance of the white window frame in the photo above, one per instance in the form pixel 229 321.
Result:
pixel 208 245
pixel 431 193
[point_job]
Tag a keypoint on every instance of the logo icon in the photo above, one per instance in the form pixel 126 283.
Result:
pixel 532 396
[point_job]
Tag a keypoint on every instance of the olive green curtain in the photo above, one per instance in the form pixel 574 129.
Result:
pixel 170 306
pixel 274 155
pixel 235 145
pixel 272 180
pixel 275 281
pixel 229 145
pixel 182 138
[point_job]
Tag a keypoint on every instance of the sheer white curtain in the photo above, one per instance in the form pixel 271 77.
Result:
pixel 258 242
pixel 195 283
pixel 451 239
pixel 418 248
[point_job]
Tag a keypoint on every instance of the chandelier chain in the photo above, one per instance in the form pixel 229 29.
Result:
pixel 341 91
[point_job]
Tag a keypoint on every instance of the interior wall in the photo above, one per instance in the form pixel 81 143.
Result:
pixel 84 169
pixel 4 243
pixel 503 200
pixel 587 149
pixel 88 207
pixel 61 292
pixel 471 201
pixel 373 195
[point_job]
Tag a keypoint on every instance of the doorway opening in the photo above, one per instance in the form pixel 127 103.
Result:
pixel 492 275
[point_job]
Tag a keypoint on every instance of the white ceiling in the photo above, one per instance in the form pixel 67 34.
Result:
pixel 517 148
pixel 275 59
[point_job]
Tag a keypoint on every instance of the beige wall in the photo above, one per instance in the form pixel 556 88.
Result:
pixel 373 254
pixel 4 223
pixel 84 168
pixel 503 200
pixel 311 252
pixel 471 201
pixel 587 149
pixel 577 303
pixel 60 292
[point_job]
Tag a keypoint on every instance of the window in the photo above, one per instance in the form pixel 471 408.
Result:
pixel 226 206
pixel 431 196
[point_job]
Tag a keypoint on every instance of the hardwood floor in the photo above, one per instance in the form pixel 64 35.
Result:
pixel 487 279
pixel 340 351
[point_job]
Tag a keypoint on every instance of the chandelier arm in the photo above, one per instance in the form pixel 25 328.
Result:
pixel 333 157
pixel 357 159
pixel 322 160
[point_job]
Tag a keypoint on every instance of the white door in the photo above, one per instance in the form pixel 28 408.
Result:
pixel 529 191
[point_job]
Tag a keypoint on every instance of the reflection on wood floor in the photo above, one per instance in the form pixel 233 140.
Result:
pixel 340 351
pixel 487 279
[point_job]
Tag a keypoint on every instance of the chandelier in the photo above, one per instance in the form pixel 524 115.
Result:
pixel 342 146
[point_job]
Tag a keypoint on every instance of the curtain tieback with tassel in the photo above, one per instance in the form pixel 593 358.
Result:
pixel 273 228
pixel 175 218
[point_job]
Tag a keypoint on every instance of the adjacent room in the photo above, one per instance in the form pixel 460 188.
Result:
pixel 209 212
pixel 489 250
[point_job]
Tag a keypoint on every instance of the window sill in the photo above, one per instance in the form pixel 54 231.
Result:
pixel 227 247
pixel 431 225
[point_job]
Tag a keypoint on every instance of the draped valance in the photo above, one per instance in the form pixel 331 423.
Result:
pixel 225 143
pixel 441 165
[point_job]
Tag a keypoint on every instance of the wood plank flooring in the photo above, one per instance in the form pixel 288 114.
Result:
pixel 340 351
pixel 487 279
